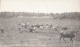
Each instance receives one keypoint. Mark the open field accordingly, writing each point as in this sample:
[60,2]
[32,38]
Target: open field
[12,37]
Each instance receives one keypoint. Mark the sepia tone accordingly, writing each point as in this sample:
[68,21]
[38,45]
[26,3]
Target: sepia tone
[39,23]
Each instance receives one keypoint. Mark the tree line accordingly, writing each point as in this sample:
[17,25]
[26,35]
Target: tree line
[65,15]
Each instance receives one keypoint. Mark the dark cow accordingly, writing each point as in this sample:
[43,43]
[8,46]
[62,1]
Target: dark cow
[2,30]
[67,34]
[32,29]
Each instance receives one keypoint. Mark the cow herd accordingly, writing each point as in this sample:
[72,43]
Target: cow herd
[32,27]
[64,33]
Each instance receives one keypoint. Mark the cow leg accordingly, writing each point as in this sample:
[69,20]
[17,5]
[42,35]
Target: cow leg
[60,39]
[64,40]
[26,26]
[71,40]
[22,26]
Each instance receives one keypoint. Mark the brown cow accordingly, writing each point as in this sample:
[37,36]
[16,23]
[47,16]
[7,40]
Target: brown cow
[67,34]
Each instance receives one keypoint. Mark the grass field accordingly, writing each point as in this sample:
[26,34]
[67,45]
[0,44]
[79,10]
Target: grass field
[12,37]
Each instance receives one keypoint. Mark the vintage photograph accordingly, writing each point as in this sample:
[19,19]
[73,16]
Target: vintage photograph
[39,23]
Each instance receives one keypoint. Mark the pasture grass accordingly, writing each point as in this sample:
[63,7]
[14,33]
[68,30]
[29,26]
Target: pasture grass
[12,37]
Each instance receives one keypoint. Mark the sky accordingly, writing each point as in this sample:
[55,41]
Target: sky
[42,6]
[0,5]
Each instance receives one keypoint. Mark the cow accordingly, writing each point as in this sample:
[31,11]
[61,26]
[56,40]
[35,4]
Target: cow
[32,29]
[47,26]
[2,30]
[41,26]
[67,34]
[50,26]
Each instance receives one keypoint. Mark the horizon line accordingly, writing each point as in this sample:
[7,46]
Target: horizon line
[37,12]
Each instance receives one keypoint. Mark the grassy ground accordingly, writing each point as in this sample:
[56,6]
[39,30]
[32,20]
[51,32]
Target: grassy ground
[12,37]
